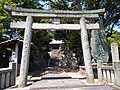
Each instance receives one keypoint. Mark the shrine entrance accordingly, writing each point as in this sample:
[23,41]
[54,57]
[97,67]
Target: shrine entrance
[28,25]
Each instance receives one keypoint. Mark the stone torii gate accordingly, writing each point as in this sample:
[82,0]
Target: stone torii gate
[28,25]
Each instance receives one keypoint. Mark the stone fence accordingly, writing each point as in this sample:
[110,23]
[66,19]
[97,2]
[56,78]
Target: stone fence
[8,76]
[105,73]
[109,73]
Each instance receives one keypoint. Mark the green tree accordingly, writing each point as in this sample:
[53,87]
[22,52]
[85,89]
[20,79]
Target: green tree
[5,19]
[40,38]
[110,18]
[27,3]
[71,39]
[115,37]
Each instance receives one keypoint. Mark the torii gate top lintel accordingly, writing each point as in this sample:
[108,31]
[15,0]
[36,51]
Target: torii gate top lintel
[90,14]
[23,12]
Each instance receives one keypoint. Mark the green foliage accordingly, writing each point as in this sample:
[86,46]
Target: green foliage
[60,4]
[41,38]
[26,3]
[5,15]
[1,36]
[111,15]
[115,37]
[71,39]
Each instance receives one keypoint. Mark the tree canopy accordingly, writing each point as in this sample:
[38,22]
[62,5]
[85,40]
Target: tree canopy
[115,37]
[111,15]
[109,19]
[40,38]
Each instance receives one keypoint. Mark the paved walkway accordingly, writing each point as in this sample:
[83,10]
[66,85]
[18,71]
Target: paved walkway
[62,81]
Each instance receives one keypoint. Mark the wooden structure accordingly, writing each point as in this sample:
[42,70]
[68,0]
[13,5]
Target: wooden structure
[28,25]
[16,46]
[12,44]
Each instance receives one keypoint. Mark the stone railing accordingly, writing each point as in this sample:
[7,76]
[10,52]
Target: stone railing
[8,76]
[109,73]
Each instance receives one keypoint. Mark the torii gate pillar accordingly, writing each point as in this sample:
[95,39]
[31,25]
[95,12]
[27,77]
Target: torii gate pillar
[26,52]
[86,51]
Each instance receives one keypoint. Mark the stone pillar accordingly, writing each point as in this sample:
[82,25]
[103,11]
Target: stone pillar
[117,73]
[8,79]
[108,76]
[12,66]
[26,52]
[16,52]
[114,52]
[104,75]
[99,71]
[16,56]
[86,51]
[112,77]
[2,81]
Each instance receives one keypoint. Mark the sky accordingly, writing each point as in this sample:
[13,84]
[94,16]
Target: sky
[117,29]
[46,7]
